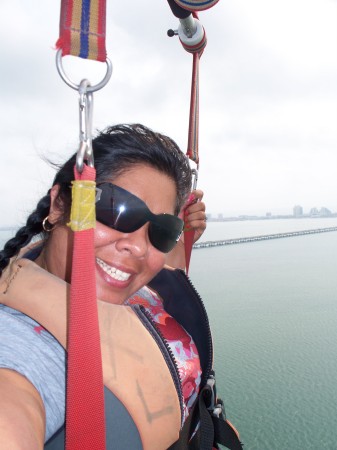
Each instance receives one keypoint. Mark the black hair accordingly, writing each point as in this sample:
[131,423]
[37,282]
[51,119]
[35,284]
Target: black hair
[115,150]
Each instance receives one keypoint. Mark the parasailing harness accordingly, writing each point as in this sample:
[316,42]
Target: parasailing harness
[82,34]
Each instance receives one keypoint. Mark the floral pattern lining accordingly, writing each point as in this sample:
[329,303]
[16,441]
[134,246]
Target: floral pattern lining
[179,341]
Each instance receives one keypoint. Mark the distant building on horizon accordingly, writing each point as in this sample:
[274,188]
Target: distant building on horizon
[323,212]
[298,211]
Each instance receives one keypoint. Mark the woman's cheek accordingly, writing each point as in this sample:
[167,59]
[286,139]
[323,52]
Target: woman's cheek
[104,235]
[158,260]
[99,235]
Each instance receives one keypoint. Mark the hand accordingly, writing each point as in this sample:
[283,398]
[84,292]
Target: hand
[194,214]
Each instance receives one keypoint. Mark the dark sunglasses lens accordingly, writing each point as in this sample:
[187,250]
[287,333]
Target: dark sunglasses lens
[129,211]
[124,212]
[120,210]
[165,231]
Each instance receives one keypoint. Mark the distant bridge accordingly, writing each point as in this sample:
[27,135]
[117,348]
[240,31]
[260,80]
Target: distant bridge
[264,237]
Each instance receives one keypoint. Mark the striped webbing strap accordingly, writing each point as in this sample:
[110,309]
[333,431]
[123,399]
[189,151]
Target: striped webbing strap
[82,29]
[85,419]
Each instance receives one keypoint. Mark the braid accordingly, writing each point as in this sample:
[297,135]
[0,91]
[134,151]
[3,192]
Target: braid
[25,234]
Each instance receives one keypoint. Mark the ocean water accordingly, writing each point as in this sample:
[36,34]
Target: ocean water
[273,310]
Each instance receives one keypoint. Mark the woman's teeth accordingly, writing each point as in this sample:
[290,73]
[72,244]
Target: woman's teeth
[112,271]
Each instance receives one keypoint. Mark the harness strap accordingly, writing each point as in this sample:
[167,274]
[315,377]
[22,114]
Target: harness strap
[188,242]
[207,424]
[85,428]
[82,34]
[214,428]
[82,29]
[196,47]
[225,434]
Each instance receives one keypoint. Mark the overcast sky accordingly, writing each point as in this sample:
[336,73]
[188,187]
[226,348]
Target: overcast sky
[268,106]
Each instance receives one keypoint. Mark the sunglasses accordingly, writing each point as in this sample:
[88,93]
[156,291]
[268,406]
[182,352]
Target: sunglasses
[124,212]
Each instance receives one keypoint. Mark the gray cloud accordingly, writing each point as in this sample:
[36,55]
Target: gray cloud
[268,131]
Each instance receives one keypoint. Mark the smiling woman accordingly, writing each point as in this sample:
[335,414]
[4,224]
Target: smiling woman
[150,317]
[126,258]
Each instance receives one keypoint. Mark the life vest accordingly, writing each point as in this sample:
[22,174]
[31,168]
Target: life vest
[142,390]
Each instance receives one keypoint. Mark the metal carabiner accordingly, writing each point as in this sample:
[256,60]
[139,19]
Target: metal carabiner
[85,152]
[194,172]
[195,179]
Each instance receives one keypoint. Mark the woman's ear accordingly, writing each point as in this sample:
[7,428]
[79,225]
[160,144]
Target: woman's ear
[55,211]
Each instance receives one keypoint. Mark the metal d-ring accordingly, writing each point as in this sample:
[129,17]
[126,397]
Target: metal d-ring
[75,86]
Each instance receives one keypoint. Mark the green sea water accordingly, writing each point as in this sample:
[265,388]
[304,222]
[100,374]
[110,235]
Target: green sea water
[273,310]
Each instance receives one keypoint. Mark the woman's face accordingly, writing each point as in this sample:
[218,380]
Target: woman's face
[124,261]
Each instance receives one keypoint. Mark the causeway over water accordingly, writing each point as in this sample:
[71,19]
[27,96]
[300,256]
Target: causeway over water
[265,237]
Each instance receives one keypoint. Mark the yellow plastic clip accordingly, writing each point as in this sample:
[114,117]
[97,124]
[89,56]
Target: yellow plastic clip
[82,216]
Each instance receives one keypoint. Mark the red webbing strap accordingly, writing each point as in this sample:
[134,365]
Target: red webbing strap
[85,421]
[193,129]
[188,244]
[82,29]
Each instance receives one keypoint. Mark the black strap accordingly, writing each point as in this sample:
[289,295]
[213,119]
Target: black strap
[212,429]
[224,433]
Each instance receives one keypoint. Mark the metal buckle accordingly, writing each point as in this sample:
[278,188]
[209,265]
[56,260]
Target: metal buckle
[215,407]
[195,179]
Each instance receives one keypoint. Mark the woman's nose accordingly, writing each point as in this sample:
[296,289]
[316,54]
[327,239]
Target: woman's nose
[136,242]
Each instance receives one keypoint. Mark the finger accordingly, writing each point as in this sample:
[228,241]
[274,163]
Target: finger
[195,208]
[196,222]
[198,214]
[193,198]
[196,211]
[198,194]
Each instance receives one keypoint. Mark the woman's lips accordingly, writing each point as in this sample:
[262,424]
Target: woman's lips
[111,274]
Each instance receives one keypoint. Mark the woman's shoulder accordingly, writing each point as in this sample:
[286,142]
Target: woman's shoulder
[30,350]
[8,314]
[19,329]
